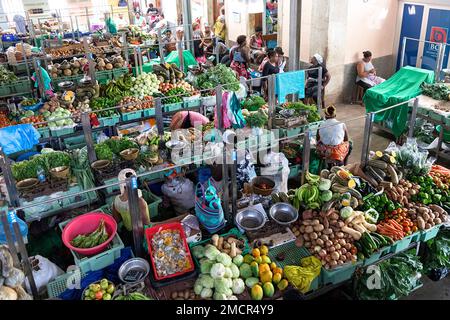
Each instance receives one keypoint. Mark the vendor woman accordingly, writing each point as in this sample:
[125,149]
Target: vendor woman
[332,139]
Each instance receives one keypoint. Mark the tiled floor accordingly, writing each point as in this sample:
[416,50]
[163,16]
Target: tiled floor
[353,115]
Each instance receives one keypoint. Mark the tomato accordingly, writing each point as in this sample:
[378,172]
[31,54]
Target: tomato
[98,295]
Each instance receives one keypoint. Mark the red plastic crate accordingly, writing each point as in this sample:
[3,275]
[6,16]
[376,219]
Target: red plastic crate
[150,232]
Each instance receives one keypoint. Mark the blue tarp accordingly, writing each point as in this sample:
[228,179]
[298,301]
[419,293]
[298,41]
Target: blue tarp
[18,138]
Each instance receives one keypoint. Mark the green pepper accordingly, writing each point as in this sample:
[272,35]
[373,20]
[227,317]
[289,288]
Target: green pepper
[390,207]
[421,179]
[437,197]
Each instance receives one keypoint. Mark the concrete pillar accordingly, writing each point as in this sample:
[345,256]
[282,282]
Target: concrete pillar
[295,33]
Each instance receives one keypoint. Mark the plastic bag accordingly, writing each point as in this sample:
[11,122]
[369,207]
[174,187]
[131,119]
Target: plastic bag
[44,271]
[18,138]
[12,217]
[181,193]
[302,276]
[412,159]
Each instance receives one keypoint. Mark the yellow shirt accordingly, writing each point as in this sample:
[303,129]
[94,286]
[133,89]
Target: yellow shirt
[220,29]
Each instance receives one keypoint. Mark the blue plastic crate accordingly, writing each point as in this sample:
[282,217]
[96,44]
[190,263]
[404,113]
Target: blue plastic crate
[132,115]
[61,132]
[192,103]
[172,107]
[385,250]
[340,274]
[109,121]
[372,259]
[402,244]
[295,171]
[313,127]
[429,234]
[150,112]
[44,132]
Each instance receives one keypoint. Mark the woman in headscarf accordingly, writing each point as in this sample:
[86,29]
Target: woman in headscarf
[312,86]
[332,138]
[187,119]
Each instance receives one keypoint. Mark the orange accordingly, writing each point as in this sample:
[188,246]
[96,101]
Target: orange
[256,253]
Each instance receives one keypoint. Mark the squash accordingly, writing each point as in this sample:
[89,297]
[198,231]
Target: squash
[67,72]
[108,66]
[6,293]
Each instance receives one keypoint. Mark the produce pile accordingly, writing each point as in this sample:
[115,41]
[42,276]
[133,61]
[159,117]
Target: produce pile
[28,168]
[168,73]
[102,290]
[311,111]
[215,76]
[117,88]
[6,76]
[77,66]
[436,91]
[11,278]
[111,148]
[99,104]
[129,104]
[92,239]
[146,84]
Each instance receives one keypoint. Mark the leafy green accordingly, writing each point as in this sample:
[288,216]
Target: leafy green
[438,255]
[103,151]
[436,91]
[118,145]
[256,120]
[100,103]
[28,168]
[300,107]
[6,76]
[217,75]
[253,103]
[81,169]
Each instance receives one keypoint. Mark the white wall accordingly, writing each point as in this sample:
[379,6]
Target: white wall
[233,9]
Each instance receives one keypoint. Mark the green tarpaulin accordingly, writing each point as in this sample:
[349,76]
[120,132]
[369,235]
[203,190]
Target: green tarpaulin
[401,87]
[172,57]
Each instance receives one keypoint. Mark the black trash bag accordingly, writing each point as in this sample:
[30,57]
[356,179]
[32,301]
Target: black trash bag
[438,274]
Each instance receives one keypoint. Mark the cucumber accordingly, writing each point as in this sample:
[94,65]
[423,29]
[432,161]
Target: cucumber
[380,172]
[373,174]
[378,164]
[371,241]
[355,193]
[381,240]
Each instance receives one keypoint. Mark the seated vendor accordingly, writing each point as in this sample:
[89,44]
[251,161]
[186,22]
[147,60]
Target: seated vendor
[257,46]
[332,139]
[366,73]
[169,42]
[312,87]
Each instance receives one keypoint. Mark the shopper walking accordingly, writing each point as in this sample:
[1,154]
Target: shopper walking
[366,73]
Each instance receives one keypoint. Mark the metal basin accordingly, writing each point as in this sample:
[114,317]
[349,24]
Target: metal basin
[250,219]
[134,270]
[100,164]
[283,213]
[27,184]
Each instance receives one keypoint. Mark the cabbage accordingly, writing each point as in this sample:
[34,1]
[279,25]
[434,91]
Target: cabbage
[232,298]
[228,273]
[198,287]
[222,285]
[198,252]
[60,123]
[206,293]
[238,286]
[234,271]
[205,266]
[229,282]
[224,259]
[219,296]
[217,270]
[206,281]
[211,252]
[238,260]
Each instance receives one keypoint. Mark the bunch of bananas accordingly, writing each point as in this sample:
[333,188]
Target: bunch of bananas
[119,87]
[309,195]
[312,178]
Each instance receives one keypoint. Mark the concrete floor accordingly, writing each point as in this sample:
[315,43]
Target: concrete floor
[353,115]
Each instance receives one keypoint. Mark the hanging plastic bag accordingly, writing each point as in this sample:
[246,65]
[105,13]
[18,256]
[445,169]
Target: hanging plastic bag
[18,138]
[44,271]
[12,217]
[180,192]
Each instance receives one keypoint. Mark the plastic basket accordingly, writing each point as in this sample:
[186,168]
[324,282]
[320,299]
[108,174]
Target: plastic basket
[127,116]
[232,233]
[59,284]
[62,131]
[172,107]
[314,126]
[340,274]
[153,202]
[22,86]
[295,171]
[372,259]
[429,234]
[149,234]
[44,132]
[402,244]
[436,116]
[109,121]
[149,112]
[385,250]
[98,261]
[192,102]
[103,76]
[118,72]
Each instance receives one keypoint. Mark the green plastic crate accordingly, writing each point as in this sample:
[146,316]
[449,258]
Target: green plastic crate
[132,115]
[44,132]
[436,116]
[292,132]
[402,244]
[61,132]
[295,171]
[103,76]
[75,140]
[423,111]
[101,260]
[59,284]
[340,274]
[75,79]
[233,232]
[293,255]
[118,72]
[111,189]
[21,86]
[109,121]
[149,112]
[429,234]
[5,90]
[172,107]
[153,202]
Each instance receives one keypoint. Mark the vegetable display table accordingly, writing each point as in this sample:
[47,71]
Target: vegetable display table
[401,87]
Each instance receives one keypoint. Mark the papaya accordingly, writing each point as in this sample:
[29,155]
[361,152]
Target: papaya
[264,250]
[263,267]
[248,259]
[273,265]
[268,289]
[265,259]
[255,268]
[278,270]
[250,282]
[283,284]
[245,271]
[256,292]
[258,260]
[256,253]
[266,276]
[276,278]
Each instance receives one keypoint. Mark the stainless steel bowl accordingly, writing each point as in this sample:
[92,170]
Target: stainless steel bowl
[283,213]
[250,219]
[134,270]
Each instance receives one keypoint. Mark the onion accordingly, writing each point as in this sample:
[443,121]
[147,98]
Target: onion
[327,266]
[333,263]
[340,234]
[348,246]
[328,231]
[342,242]
[335,255]
[306,236]
[322,253]
[341,224]
[324,237]
[348,255]
[328,258]
[328,243]
[313,236]
[340,262]
[308,244]
[320,242]
[337,246]
[323,262]
[331,249]
[331,236]
[317,248]
[343,251]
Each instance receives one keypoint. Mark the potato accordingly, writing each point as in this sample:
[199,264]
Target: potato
[186,294]
[174,295]
[309,229]
[318,227]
